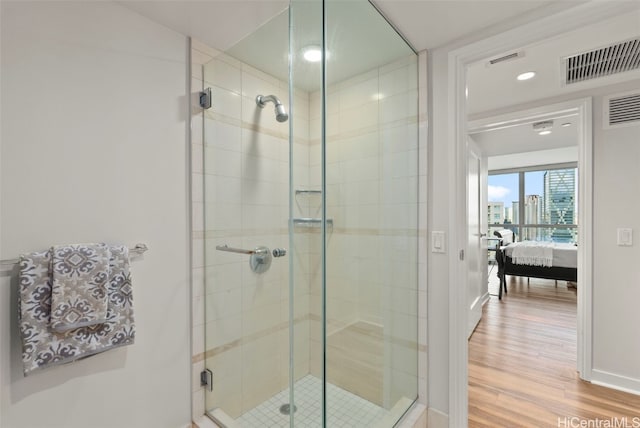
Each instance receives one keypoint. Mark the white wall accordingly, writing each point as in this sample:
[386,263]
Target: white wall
[439,199]
[616,350]
[93,149]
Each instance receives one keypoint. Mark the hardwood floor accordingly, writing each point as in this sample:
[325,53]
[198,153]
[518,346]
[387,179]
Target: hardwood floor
[522,365]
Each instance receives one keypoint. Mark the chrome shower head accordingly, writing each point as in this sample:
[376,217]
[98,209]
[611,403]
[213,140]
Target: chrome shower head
[281,113]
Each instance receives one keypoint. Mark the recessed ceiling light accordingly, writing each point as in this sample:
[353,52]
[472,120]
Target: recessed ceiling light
[526,76]
[544,132]
[566,124]
[312,53]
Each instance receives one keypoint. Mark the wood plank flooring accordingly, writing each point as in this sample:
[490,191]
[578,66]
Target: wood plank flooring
[522,364]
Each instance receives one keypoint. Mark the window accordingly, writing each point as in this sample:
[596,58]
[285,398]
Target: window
[546,197]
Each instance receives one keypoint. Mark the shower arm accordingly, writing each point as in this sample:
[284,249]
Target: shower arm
[281,112]
[262,100]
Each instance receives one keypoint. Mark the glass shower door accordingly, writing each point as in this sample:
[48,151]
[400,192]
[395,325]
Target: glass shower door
[246,207]
[371,177]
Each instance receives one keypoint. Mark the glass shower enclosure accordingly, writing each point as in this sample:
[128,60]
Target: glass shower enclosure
[311,202]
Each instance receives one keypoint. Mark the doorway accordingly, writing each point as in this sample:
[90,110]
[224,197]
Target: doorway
[578,113]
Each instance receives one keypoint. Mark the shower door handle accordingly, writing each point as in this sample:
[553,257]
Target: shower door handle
[279,252]
[225,247]
[260,260]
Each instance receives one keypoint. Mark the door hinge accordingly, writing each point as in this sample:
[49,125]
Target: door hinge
[205,99]
[461,254]
[206,379]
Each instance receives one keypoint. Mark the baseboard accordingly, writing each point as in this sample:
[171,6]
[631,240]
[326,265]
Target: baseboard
[415,417]
[437,419]
[420,415]
[485,298]
[204,422]
[614,381]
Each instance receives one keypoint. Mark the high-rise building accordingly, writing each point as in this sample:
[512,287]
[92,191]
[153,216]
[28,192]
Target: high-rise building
[531,216]
[515,211]
[559,201]
[495,213]
[508,214]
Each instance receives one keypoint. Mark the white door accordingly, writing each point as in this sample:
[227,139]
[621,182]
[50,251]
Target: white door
[477,287]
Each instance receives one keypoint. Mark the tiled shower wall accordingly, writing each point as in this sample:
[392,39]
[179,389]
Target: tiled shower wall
[372,197]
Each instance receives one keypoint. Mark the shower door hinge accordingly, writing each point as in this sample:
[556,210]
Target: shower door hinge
[205,98]
[461,254]
[206,379]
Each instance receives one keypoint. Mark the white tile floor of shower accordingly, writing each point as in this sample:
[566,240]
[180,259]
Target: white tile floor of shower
[344,409]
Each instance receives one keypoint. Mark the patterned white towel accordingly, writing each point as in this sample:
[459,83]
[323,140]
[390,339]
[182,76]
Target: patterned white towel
[42,346]
[533,253]
[79,290]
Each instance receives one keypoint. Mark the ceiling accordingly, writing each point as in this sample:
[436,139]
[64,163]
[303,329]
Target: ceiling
[426,24]
[256,31]
[522,138]
[219,24]
[429,24]
[369,45]
[536,158]
[492,87]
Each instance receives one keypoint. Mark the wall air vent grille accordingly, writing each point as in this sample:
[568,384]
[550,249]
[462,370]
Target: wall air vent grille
[618,58]
[503,58]
[623,110]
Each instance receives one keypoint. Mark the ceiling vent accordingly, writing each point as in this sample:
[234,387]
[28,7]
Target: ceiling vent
[622,110]
[508,57]
[618,58]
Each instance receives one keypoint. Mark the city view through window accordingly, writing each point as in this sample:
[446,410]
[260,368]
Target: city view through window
[546,198]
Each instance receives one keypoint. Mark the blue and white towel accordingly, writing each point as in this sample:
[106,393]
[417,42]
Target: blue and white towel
[42,346]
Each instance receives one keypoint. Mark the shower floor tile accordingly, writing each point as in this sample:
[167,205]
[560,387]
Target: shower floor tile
[344,409]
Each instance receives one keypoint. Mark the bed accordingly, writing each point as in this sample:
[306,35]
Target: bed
[533,259]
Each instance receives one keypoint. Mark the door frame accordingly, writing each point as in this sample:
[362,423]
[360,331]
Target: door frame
[458,59]
[582,109]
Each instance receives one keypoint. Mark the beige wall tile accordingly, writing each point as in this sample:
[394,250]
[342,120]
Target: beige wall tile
[221,135]
[223,75]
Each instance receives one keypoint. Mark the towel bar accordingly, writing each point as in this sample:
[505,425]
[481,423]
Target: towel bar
[137,249]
